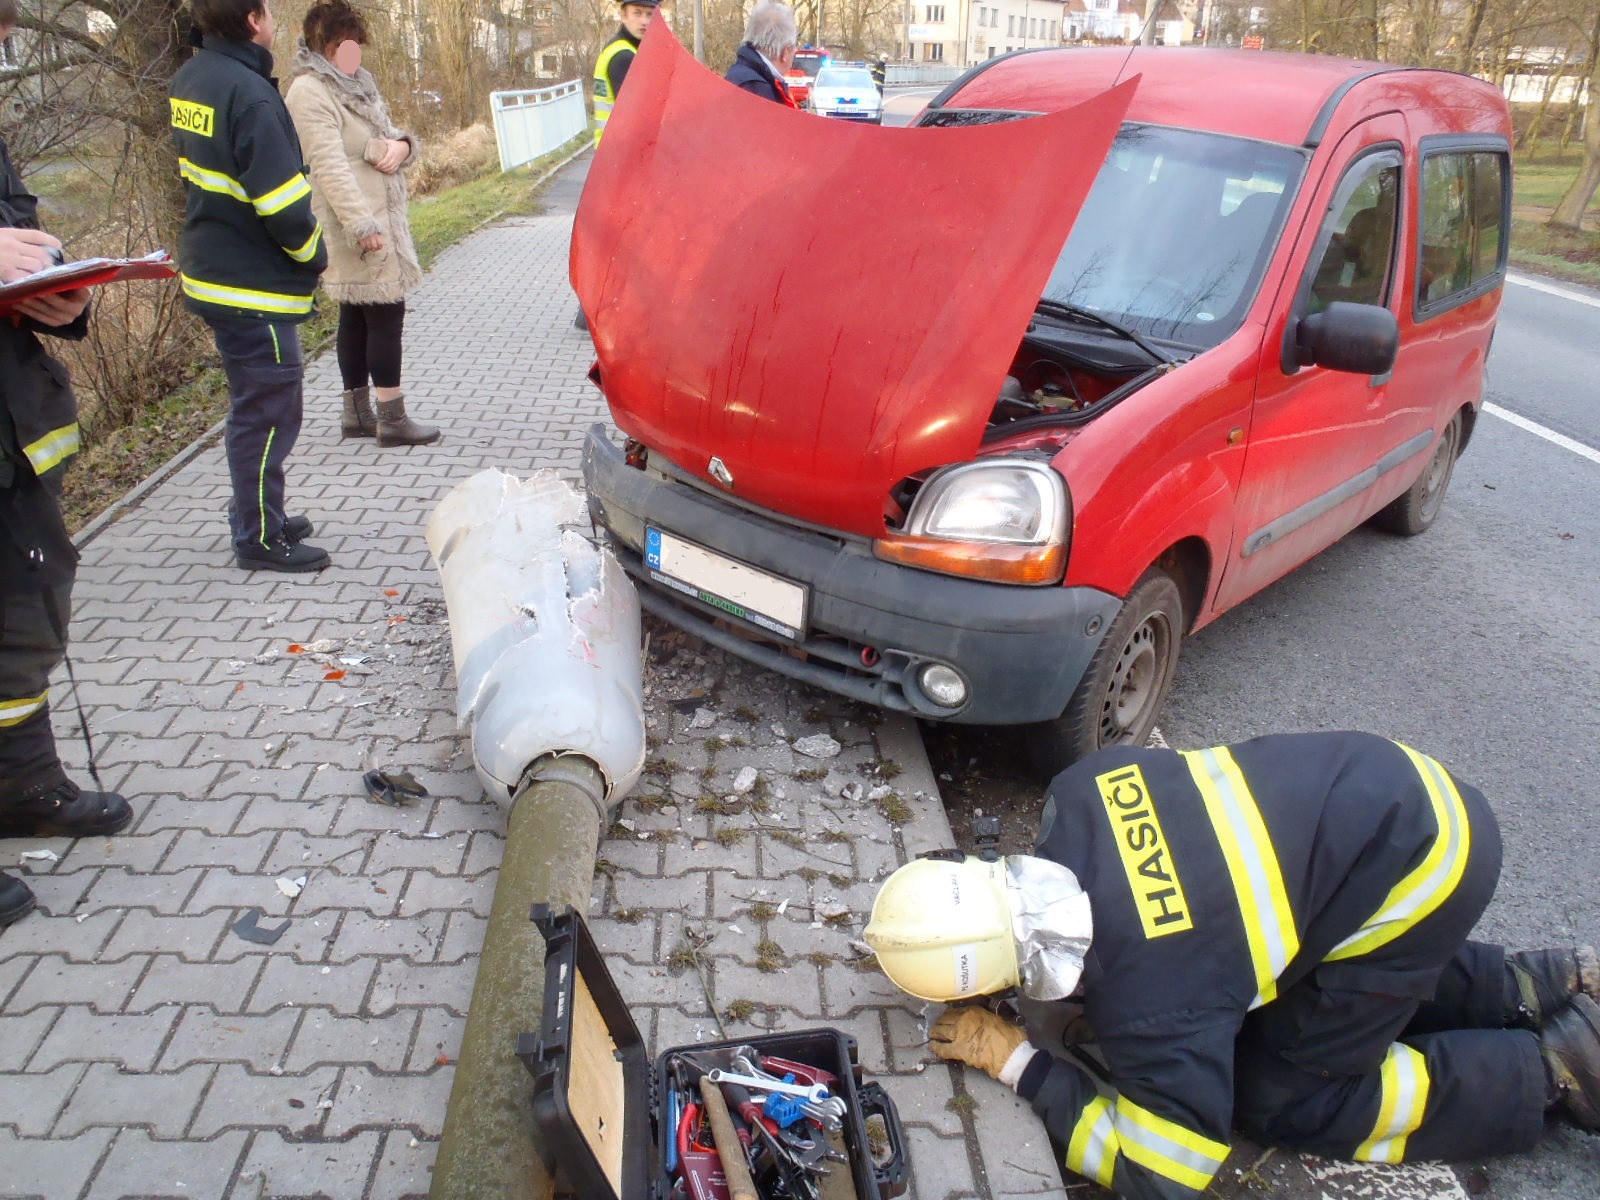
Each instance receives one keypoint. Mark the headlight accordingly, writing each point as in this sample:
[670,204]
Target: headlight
[1005,520]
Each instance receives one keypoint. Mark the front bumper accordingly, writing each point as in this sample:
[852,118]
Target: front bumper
[871,625]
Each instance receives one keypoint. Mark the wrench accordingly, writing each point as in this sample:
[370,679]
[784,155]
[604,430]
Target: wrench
[816,1092]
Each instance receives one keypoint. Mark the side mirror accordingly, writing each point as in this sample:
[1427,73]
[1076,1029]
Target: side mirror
[1362,339]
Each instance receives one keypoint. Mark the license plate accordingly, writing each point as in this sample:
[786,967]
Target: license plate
[736,588]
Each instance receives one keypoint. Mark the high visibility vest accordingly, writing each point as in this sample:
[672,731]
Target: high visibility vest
[604,101]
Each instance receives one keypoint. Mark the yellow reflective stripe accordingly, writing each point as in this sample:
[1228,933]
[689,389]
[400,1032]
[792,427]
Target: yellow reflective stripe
[212,181]
[310,248]
[232,297]
[280,197]
[14,712]
[1092,1149]
[1434,879]
[1404,1098]
[1166,1147]
[1269,926]
[53,448]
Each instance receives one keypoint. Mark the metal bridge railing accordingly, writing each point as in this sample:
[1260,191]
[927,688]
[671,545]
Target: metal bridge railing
[530,124]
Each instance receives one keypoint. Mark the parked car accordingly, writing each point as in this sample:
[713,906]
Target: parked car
[847,93]
[798,79]
[1267,325]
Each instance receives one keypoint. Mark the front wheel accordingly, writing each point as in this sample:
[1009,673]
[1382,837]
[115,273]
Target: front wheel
[1419,505]
[1121,694]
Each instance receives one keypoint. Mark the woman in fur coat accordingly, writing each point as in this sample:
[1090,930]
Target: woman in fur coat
[358,191]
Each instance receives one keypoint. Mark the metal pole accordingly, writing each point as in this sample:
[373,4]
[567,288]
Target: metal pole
[490,1148]
[700,31]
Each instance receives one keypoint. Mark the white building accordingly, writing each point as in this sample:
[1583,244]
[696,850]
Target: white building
[963,32]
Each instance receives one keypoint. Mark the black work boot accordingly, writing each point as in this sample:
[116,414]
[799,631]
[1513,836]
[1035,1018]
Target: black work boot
[358,420]
[397,429]
[296,528]
[63,810]
[1540,982]
[1570,1047]
[280,554]
[16,900]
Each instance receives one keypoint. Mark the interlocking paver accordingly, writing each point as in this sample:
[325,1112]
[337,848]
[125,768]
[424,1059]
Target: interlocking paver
[323,1061]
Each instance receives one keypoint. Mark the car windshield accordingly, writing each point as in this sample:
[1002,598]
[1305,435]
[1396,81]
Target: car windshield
[810,63]
[841,77]
[1176,232]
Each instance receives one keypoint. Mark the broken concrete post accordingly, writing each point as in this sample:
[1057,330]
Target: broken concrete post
[545,628]
[490,1147]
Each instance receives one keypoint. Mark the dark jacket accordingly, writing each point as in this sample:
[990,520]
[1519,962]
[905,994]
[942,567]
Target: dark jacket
[1218,880]
[251,246]
[750,72]
[38,414]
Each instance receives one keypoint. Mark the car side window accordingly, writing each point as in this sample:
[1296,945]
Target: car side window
[1358,239]
[1463,208]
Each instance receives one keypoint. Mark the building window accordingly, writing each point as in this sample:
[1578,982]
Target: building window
[549,64]
[1011,24]
[991,51]
[933,52]
[936,14]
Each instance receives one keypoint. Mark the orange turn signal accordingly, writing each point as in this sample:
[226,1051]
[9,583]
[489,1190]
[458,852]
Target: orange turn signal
[997,562]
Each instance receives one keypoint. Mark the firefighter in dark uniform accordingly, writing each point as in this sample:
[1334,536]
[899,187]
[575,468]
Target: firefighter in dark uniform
[880,72]
[251,253]
[38,562]
[1271,936]
[611,68]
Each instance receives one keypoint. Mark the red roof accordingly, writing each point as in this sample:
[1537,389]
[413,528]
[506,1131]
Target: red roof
[1258,94]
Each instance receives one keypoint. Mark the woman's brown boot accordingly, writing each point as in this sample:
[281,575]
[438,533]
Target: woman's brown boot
[397,429]
[358,419]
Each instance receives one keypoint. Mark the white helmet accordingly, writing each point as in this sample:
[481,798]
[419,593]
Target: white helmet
[942,929]
[946,929]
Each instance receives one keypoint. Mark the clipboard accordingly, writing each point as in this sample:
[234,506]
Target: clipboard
[87,272]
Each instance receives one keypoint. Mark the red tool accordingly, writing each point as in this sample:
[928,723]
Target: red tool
[699,1165]
[804,1072]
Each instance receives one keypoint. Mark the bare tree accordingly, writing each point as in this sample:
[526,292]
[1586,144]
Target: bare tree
[1570,209]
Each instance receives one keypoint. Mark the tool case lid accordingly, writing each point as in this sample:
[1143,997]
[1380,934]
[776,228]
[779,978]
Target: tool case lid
[591,1077]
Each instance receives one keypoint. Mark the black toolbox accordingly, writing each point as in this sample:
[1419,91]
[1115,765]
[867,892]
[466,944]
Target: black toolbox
[601,1105]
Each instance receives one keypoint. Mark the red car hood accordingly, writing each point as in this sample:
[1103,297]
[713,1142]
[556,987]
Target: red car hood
[824,308]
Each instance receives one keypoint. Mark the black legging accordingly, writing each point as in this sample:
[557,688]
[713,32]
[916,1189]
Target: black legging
[369,344]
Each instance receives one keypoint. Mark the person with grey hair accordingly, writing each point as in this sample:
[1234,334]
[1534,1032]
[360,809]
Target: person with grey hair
[770,37]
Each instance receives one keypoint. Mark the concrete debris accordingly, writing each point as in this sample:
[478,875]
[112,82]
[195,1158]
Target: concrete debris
[40,856]
[703,718]
[779,732]
[882,792]
[832,910]
[860,949]
[852,791]
[291,887]
[818,745]
[745,781]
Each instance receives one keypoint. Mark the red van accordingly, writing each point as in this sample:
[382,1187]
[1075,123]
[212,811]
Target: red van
[1146,372]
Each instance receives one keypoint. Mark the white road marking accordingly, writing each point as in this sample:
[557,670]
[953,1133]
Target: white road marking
[1409,1181]
[1549,435]
[1551,289]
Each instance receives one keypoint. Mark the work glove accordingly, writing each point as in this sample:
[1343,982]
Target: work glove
[979,1038]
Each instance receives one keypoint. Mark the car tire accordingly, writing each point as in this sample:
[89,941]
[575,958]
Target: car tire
[1121,694]
[1417,508]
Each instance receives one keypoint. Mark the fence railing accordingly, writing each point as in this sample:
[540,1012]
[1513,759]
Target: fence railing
[905,74]
[530,124]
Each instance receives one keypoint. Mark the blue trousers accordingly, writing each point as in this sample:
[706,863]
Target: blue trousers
[266,377]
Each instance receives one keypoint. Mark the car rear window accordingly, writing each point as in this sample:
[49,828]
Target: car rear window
[1462,227]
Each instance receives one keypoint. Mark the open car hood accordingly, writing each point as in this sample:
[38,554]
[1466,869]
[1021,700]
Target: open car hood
[821,308]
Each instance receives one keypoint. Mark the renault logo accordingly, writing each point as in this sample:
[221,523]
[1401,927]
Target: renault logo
[720,473]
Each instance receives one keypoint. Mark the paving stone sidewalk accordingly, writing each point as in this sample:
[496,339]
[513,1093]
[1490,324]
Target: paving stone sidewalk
[148,1049]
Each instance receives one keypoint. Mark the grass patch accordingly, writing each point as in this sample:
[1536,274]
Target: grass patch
[834,836]
[730,837]
[810,774]
[789,838]
[628,916]
[769,956]
[763,910]
[962,1104]
[889,769]
[723,806]
[895,810]
[741,1010]
[746,714]
[681,959]
[809,874]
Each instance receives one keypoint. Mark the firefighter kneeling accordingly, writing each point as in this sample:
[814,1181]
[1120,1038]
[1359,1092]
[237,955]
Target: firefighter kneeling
[1271,935]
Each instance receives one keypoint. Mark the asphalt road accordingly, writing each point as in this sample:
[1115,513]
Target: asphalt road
[1478,642]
